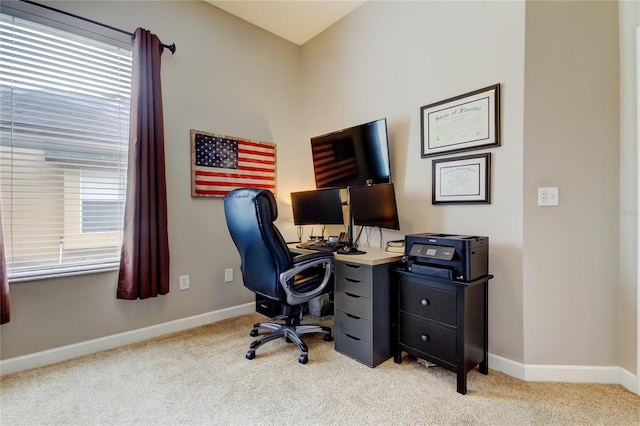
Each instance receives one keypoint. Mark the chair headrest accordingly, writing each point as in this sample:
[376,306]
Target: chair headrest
[256,194]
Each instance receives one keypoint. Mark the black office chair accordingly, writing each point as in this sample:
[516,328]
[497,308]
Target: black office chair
[271,270]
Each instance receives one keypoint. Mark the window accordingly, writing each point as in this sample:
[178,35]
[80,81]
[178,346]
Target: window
[102,200]
[64,126]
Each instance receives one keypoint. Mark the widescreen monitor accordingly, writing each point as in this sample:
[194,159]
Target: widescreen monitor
[317,207]
[358,155]
[374,205]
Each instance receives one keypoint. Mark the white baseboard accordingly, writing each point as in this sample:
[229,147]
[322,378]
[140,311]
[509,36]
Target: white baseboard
[506,366]
[529,373]
[51,356]
[565,373]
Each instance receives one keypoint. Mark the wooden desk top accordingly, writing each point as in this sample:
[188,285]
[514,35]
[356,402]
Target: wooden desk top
[373,255]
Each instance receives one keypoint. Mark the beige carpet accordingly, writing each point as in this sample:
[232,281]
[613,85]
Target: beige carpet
[202,377]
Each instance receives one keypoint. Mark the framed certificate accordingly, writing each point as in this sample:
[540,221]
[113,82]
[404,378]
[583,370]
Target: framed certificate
[461,180]
[462,123]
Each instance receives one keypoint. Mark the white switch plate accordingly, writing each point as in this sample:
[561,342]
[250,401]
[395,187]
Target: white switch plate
[548,196]
[228,275]
[184,282]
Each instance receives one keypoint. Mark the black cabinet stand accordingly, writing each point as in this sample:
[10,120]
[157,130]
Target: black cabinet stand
[444,322]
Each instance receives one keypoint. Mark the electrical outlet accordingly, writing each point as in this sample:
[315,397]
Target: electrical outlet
[228,275]
[548,196]
[184,282]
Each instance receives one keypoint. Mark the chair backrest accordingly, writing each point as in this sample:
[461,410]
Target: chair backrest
[250,213]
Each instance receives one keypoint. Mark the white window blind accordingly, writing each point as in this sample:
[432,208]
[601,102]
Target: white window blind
[64,126]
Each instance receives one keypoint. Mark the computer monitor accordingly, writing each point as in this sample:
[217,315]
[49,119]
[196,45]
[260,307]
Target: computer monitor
[374,205]
[317,207]
[358,155]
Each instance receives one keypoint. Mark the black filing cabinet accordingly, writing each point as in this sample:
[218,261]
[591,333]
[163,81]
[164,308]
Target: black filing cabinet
[364,311]
[444,322]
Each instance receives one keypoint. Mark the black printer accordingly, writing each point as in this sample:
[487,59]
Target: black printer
[454,257]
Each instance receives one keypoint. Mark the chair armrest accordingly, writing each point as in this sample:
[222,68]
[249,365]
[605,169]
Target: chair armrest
[301,263]
[300,258]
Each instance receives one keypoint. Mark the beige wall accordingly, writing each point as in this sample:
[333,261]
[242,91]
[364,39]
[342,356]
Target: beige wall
[571,268]
[387,59]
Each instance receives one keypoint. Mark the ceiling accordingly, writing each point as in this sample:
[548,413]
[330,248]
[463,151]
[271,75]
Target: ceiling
[295,20]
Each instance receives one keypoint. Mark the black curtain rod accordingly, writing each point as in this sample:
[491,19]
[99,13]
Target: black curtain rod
[171,47]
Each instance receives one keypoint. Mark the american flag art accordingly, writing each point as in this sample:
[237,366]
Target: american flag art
[221,163]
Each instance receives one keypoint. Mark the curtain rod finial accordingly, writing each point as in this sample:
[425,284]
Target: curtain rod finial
[171,47]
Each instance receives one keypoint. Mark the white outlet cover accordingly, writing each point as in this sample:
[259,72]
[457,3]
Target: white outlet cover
[548,196]
[184,282]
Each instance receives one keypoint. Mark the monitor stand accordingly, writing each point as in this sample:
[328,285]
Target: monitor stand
[352,247]
[349,250]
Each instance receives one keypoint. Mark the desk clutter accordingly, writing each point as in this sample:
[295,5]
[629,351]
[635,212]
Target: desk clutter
[395,246]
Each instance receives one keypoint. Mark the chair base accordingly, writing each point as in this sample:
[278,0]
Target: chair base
[289,331]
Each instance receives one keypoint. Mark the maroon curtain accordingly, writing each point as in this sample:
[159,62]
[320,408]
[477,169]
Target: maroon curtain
[144,263]
[4,281]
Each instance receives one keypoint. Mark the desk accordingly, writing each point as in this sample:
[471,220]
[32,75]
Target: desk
[364,304]
[373,256]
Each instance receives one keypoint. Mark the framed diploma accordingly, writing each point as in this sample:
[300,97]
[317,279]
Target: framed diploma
[462,123]
[461,180]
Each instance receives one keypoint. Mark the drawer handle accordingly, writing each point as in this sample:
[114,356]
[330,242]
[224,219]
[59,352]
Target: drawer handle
[351,266]
[351,280]
[424,337]
[351,337]
[352,295]
[351,316]
[425,302]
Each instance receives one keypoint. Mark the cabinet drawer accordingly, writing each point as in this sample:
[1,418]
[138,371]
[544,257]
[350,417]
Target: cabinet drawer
[429,302]
[353,347]
[428,338]
[354,326]
[352,304]
[354,271]
[349,285]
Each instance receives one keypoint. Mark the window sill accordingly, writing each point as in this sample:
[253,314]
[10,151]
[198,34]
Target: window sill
[45,274]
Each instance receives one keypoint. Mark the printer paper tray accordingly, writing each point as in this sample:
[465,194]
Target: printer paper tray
[433,271]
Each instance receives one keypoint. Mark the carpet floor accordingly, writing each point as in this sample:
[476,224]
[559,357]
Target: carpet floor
[200,376]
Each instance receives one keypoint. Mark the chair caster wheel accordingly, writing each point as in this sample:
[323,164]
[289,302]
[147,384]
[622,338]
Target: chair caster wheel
[253,333]
[250,355]
[328,338]
[303,359]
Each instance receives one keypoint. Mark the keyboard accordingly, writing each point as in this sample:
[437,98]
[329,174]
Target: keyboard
[320,245]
